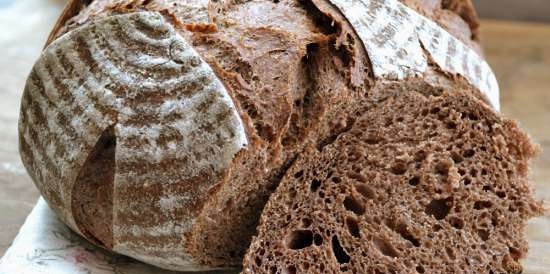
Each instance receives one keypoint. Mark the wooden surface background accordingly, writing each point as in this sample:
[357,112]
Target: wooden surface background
[527,10]
[518,52]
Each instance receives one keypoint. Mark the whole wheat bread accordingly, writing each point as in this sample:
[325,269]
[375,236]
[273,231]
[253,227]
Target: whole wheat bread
[188,195]
[437,187]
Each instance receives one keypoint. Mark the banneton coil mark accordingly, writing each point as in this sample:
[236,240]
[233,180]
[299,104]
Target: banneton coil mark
[396,37]
[177,130]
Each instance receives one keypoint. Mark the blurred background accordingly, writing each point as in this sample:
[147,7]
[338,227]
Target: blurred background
[515,35]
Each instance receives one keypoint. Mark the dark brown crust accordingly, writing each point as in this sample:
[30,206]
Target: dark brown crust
[465,9]
[93,212]
[72,8]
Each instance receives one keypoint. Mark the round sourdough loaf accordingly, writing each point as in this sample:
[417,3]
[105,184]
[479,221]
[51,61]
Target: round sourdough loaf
[126,130]
[159,128]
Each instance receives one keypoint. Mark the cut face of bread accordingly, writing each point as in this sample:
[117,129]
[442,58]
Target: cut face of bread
[419,184]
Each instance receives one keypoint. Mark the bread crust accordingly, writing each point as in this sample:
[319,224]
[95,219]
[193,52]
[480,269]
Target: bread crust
[175,128]
[292,70]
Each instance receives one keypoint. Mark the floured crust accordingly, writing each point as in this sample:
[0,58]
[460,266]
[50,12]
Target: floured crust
[189,14]
[295,72]
[177,130]
[72,8]
[400,43]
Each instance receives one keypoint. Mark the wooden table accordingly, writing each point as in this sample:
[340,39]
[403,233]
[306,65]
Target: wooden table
[520,56]
[518,52]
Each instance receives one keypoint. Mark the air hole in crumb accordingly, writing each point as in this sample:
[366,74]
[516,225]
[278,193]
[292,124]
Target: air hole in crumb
[366,191]
[442,168]
[315,184]
[456,222]
[437,227]
[479,205]
[299,239]
[341,256]
[291,270]
[420,156]
[388,122]
[483,234]
[414,181]
[439,208]
[385,247]
[450,253]
[258,261]
[354,205]
[469,153]
[451,125]
[501,194]
[306,222]
[291,193]
[336,180]
[299,174]
[353,227]
[420,269]
[435,110]
[373,140]
[487,188]
[467,181]
[457,158]
[399,168]
[509,173]
[483,172]
[317,239]
[406,234]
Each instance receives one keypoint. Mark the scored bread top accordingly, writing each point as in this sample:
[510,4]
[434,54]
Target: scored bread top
[173,122]
[400,43]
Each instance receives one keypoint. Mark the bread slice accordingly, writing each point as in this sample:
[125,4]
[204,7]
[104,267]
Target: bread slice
[438,186]
[185,191]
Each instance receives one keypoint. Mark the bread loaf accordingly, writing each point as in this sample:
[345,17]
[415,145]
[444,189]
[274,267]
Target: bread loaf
[437,187]
[158,129]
